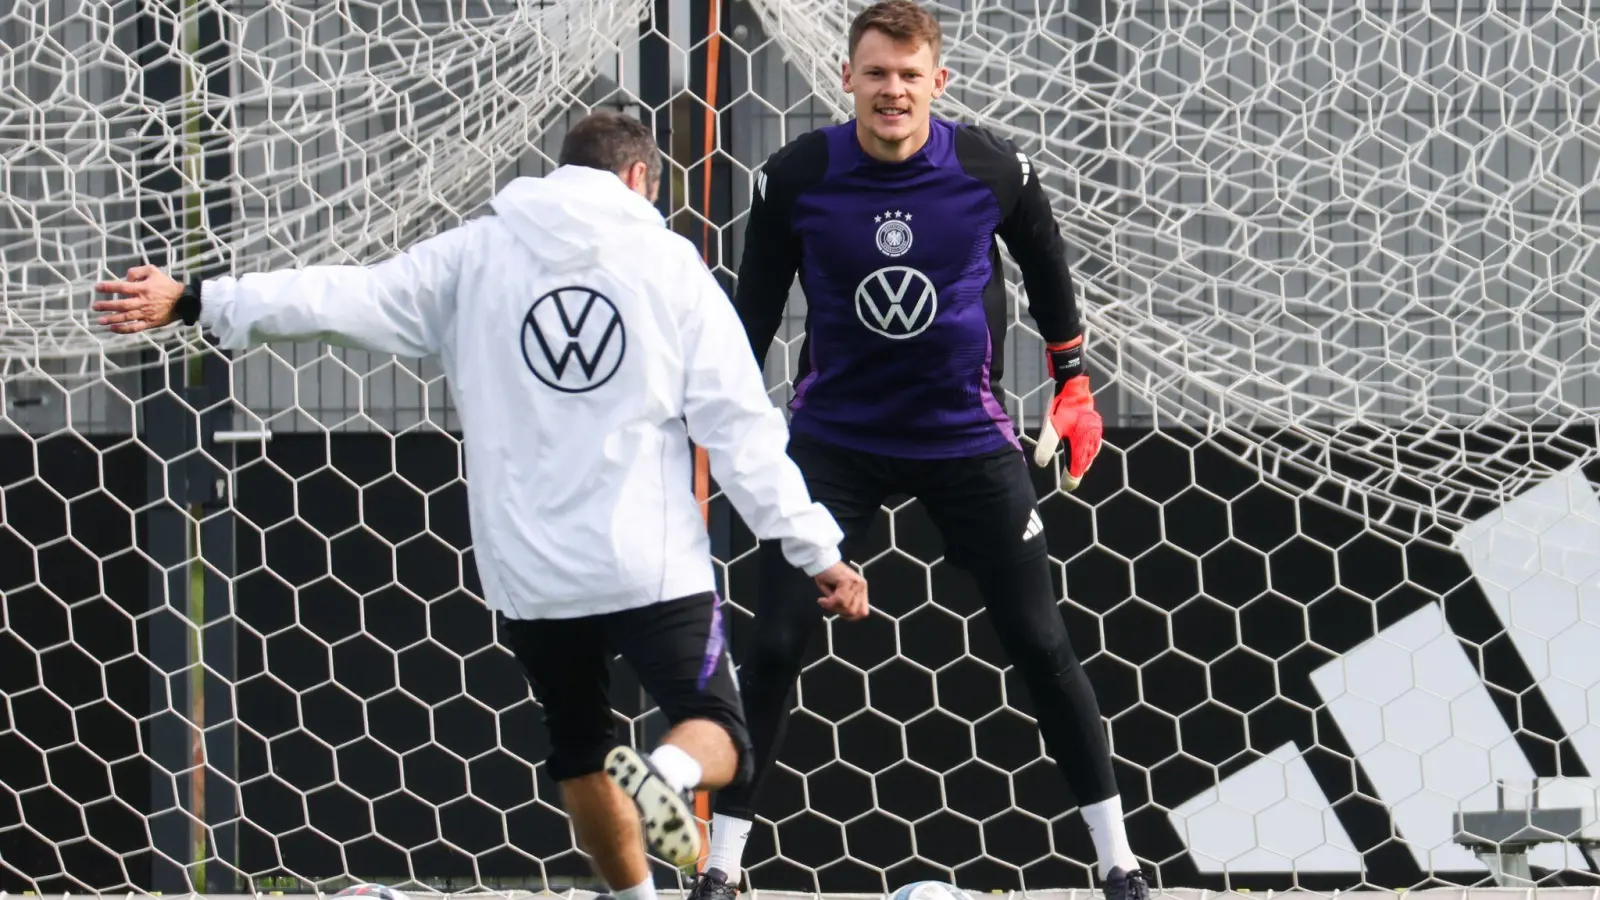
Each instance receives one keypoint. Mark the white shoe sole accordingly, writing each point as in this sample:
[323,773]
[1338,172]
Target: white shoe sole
[669,826]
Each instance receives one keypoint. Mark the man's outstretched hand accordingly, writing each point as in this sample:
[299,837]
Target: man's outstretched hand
[844,591]
[151,302]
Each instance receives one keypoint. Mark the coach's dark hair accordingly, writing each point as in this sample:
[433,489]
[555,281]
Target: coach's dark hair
[902,20]
[611,141]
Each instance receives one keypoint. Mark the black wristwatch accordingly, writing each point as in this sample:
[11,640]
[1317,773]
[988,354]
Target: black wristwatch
[188,308]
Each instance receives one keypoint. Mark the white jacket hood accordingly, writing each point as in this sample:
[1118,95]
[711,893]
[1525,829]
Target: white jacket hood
[585,346]
[566,217]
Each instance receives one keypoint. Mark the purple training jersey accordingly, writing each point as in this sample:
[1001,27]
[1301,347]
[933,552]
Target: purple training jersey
[904,286]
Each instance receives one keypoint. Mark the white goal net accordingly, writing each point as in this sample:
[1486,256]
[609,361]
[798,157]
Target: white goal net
[1335,577]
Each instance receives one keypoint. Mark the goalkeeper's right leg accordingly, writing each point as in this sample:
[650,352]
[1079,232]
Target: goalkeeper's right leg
[853,487]
[786,618]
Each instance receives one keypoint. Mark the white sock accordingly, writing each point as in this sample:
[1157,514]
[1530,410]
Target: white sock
[1110,836]
[644,890]
[677,767]
[728,836]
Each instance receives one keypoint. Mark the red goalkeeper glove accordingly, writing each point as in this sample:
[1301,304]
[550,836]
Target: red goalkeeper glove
[1072,415]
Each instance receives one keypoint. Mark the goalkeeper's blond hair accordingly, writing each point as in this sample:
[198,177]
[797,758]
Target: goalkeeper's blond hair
[903,21]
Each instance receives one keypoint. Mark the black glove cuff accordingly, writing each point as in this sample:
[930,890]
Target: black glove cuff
[1065,364]
[188,308]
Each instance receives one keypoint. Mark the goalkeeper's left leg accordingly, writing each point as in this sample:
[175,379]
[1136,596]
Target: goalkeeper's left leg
[1022,607]
[986,509]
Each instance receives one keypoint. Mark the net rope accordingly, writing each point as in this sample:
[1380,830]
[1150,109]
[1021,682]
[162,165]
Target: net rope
[360,129]
[1315,231]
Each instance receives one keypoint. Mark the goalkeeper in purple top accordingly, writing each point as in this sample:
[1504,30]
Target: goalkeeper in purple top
[890,222]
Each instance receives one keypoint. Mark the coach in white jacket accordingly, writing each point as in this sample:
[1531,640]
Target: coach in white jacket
[584,344]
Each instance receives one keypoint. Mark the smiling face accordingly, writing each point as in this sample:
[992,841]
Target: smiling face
[894,83]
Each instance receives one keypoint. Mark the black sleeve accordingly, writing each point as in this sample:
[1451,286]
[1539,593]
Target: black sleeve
[187,308]
[1029,229]
[771,246]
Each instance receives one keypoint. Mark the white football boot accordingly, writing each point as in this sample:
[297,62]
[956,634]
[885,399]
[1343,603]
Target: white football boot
[667,815]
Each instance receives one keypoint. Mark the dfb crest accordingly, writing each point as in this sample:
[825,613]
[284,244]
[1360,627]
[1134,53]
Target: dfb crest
[894,234]
[897,302]
[573,339]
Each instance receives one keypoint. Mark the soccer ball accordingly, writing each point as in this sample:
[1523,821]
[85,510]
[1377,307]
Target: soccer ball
[930,890]
[374,891]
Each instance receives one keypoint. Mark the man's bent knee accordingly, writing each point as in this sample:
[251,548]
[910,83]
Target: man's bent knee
[1041,654]
[720,743]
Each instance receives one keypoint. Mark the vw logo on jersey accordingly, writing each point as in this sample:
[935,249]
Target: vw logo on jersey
[573,339]
[897,302]
[894,235]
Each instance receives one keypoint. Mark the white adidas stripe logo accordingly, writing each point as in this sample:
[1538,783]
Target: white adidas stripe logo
[1449,729]
[1035,526]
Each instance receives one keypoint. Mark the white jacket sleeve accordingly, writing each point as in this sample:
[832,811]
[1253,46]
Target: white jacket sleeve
[402,305]
[744,435]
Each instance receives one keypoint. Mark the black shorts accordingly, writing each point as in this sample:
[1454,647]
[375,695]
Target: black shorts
[984,506]
[677,648]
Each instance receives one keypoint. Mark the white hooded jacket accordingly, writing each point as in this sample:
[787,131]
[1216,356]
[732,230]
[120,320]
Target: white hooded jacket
[584,344]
